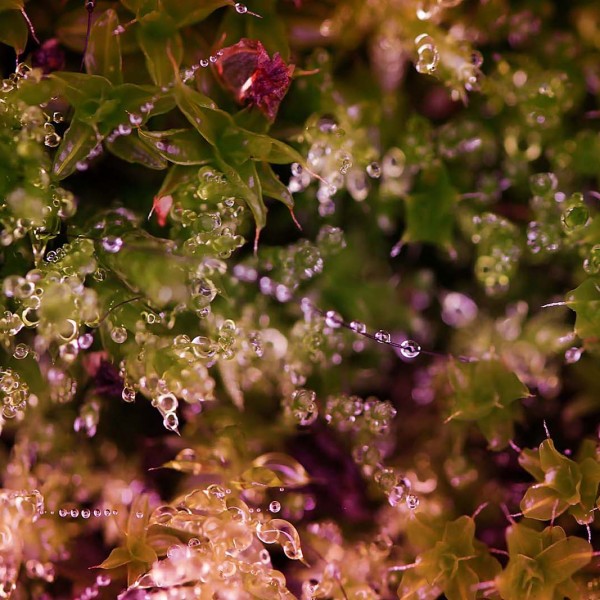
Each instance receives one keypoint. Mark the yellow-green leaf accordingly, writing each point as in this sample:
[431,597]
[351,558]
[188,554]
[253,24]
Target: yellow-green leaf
[13,30]
[76,144]
[103,56]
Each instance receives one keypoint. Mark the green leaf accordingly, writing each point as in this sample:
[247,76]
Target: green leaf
[11,5]
[189,12]
[76,144]
[272,186]
[179,146]
[288,469]
[245,178]
[13,30]
[459,535]
[430,209]
[162,46]
[204,115]
[134,150]
[530,461]
[542,503]
[117,558]
[79,88]
[521,539]
[103,56]
[270,29]
[463,585]
[176,177]
[550,457]
[564,558]
[71,28]
[141,7]
[585,302]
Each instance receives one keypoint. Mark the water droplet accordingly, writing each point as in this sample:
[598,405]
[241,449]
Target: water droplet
[204,63]
[393,163]
[374,170]
[74,513]
[52,140]
[358,326]
[412,501]
[171,422]
[575,217]
[382,336]
[591,264]
[128,394]
[85,341]
[118,335]
[427,53]
[542,184]
[103,580]
[85,513]
[21,351]
[167,403]
[112,244]
[240,8]
[333,319]
[572,355]
[63,512]
[410,349]
[135,120]
[97,512]
[275,506]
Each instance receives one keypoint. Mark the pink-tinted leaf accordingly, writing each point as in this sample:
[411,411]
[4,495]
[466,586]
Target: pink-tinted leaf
[117,558]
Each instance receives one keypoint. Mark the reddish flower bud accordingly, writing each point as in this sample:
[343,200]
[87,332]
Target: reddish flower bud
[49,56]
[253,77]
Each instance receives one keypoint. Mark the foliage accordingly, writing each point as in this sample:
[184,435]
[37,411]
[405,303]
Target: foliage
[285,287]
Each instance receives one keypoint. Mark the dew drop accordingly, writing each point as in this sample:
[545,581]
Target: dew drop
[240,8]
[333,319]
[112,244]
[383,337]
[21,351]
[275,506]
[85,513]
[412,501]
[171,422]
[52,140]
[118,335]
[103,580]
[572,355]
[410,349]
[374,170]
[85,341]
[427,53]
[128,394]
[358,326]
[542,184]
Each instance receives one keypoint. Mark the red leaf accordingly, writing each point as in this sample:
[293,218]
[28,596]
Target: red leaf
[253,77]
[162,206]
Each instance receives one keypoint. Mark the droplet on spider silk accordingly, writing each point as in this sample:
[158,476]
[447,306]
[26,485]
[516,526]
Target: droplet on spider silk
[410,349]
